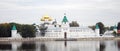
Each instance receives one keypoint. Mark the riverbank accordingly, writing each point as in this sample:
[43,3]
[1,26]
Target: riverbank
[59,39]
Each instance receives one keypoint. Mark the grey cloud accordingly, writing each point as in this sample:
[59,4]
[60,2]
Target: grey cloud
[91,10]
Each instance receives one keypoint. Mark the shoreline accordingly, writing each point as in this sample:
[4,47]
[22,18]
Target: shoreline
[61,39]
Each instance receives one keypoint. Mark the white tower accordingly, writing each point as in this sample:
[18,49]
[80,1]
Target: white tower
[14,31]
[115,28]
[97,30]
[65,27]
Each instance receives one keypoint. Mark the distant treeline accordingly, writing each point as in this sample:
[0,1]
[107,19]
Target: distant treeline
[24,30]
[74,24]
[103,28]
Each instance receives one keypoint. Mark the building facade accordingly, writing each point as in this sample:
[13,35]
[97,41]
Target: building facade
[63,30]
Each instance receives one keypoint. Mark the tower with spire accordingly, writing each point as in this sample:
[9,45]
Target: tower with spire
[65,26]
[97,30]
[65,20]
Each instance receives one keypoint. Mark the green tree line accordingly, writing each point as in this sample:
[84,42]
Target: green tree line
[24,30]
[74,24]
[103,28]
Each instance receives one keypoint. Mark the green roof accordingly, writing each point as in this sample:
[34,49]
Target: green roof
[115,27]
[65,19]
[97,27]
[14,27]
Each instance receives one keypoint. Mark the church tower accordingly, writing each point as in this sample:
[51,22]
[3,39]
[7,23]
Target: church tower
[65,22]
[65,26]
[97,30]
[14,31]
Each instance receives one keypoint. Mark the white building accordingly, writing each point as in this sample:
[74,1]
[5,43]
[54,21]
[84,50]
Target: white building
[63,30]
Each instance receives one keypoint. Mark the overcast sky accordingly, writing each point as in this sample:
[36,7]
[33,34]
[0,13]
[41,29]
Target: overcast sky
[86,12]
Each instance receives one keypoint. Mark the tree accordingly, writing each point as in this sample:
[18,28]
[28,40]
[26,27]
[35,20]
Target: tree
[92,27]
[111,28]
[28,31]
[106,28]
[118,26]
[74,24]
[5,30]
[24,30]
[114,33]
[101,27]
[42,29]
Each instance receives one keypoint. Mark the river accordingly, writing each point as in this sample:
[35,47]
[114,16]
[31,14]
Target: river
[110,45]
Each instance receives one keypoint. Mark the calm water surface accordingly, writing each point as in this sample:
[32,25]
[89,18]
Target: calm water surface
[61,46]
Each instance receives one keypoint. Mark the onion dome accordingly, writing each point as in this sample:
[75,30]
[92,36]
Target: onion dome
[14,27]
[46,17]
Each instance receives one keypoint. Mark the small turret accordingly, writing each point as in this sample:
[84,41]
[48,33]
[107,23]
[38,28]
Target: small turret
[13,31]
[97,30]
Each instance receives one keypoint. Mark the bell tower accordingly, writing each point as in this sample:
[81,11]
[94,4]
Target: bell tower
[65,26]
[65,20]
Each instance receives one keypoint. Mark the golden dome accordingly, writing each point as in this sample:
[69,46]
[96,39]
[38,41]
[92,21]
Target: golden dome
[50,20]
[46,17]
[42,19]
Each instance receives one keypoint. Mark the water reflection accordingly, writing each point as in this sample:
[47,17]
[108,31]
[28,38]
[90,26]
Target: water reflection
[61,46]
[5,46]
[119,44]
[43,47]
[102,47]
[65,43]
[27,46]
